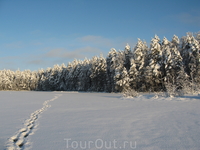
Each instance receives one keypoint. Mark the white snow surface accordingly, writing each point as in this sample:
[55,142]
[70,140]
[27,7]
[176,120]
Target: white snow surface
[77,120]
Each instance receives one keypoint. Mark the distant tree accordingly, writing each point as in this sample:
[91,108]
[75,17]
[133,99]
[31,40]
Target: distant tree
[18,80]
[133,75]
[154,70]
[46,80]
[98,76]
[63,74]
[122,81]
[67,77]
[140,56]
[5,80]
[110,71]
[84,76]
[74,75]
[128,56]
[118,65]
[40,74]
[26,79]
[33,80]
[54,77]
[175,77]
[166,55]
[191,57]
[198,36]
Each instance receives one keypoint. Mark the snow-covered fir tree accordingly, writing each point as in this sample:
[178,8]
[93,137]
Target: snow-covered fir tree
[63,75]
[122,81]
[133,75]
[154,70]
[84,76]
[110,71]
[40,75]
[140,56]
[170,73]
[33,81]
[128,56]
[5,80]
[175,77]
[57,71]
[44,80]
[74,75]
[190,53]
[79,76]
[118,66]
[98,76]
[67,76]
[198,36]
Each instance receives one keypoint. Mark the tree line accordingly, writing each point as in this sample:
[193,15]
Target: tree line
[172,66]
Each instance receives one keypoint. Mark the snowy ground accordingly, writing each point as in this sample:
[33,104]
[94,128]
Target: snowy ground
[71,120]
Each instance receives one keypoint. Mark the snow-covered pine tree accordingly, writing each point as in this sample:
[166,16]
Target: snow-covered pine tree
[128,56]
[182,79]
[110,71]
[51,76]
[133,75]
[118,66]
[39,75]
[94,73]
[70,68]
[55,78]
[84,76]
[79,76]
[11,75]
[154,70]
[140,56]
[46,80]
[66,76]
[87,79]
[73,70]
[123,84]
[194,64]
[74,75]
[6,80]
[174,75]
[18,80]
[191,57]
[122,81]
[170,73]
[98,76]
[1,80]
[63,74]
[26,79]
[166,54]
[198,36]
[33,80]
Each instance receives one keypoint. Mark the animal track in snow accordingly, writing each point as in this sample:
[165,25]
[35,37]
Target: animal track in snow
[18,141]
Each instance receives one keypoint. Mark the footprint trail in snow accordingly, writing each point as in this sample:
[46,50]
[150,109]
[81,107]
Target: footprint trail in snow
[18,141]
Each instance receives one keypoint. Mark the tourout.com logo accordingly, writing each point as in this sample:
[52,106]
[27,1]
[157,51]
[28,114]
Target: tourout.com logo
[99,144]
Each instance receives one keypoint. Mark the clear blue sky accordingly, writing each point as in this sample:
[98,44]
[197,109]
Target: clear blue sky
[40,33]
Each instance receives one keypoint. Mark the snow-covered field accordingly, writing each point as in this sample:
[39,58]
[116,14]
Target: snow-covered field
[72,120]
